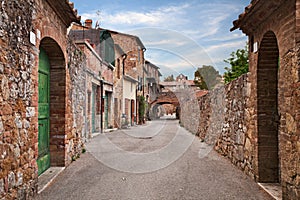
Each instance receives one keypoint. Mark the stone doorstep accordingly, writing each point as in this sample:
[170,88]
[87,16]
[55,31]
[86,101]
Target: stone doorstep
[273,189]
[109,130]
[45,179]
[94,134]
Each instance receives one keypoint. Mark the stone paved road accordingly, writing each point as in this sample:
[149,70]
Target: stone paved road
[159,161]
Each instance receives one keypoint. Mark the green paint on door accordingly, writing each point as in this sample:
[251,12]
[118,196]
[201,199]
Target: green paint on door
[94,90]
[43,160]
[105,98]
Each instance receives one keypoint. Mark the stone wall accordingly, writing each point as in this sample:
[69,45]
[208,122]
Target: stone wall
[190,113]
[289,98]
[119,104]
[18,125]
[274,131]
[228,121]
[77,96]
[221,118]
[19,61]
[234,140]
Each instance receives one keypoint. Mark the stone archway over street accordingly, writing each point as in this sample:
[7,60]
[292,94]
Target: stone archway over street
[164,98]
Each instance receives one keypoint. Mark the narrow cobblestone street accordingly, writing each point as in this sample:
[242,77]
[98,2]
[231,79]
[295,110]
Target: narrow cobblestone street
[132,164]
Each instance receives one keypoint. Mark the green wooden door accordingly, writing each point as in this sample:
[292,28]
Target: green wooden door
[105,98]
[94,90]
[43,110]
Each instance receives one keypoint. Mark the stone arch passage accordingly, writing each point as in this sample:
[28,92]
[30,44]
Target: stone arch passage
[164,98]
[57,100]
[267,97]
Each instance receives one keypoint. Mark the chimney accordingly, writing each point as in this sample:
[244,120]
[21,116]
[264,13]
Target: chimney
[88,23]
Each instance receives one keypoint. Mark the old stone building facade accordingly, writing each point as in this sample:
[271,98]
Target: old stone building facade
[152,81]
[134,74]
[38,128]
[254,121]
[273,30]
[57,88]
[98,87]
[99,49]
[131,75]
[119,118]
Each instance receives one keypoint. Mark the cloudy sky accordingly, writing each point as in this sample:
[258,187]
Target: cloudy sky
[179,35]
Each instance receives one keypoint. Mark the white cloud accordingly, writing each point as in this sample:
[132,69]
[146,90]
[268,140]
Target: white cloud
[231,36]
[176,45]
[134,18]
[197,20]
[158,17]
[235,44]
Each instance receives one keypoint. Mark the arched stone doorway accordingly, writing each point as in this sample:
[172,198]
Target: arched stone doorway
[52,105]
[268,118]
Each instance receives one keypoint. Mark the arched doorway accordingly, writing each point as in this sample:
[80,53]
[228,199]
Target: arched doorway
[52,105]
[267,102]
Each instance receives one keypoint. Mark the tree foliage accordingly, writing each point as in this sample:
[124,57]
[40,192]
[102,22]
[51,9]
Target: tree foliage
[210,76]
[239,64]
[169,78]
[199,81]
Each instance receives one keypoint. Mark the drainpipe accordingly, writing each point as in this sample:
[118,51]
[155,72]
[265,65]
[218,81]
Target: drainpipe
[85,102]
[137,117]
[143,81]
[101,106]
[123,120]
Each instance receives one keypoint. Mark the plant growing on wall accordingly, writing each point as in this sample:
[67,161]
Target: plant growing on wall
[142,109]
[239,64]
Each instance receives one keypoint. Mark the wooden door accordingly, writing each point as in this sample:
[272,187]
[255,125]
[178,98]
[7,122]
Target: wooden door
[43,160]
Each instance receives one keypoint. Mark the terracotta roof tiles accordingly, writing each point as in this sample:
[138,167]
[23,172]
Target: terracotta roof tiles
[254,14]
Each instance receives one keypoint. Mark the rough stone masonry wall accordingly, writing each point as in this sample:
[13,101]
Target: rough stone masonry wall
[289,101]
[223,121]
[18,100]
[18,121]
[76,65]
[234,141]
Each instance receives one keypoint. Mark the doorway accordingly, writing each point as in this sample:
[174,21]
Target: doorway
[268,117]
[43,160]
